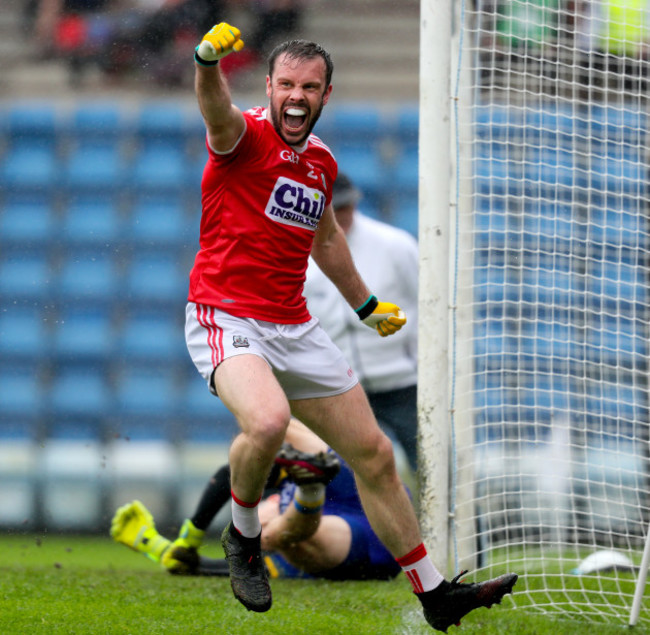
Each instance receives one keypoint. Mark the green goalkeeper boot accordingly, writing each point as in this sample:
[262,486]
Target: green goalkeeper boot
[182,555]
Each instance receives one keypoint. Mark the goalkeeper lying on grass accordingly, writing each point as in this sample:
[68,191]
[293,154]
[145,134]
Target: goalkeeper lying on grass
[313,527]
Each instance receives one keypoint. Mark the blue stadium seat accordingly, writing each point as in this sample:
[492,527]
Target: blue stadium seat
[356,123]
[621,255]
[76,429]
[23,333]
[159,170]
[617,176]
[151,338]
[80,392]
[21,392]
[492,405]
[14,428]
[29,169]
[84,335]
[494,228]
[496,284]
[614,123]
[25,277]
[497,139]
[26,223]
[622,150]
[536,408]
[194,174]
[88,279]
[366,167]
[616,226]
[486,205]
[95,169]
[551,167]
[147,392]
[406,214]
[408,126]
[552,125]
[492,337]
[99,123]
[616,287]
[159,124]
[623,348]
[621,200]
[612,405]
[548,221]
[348,126]
[499,123]
[196,132]
[145,429]
[154,279]
[160,223]
[547,287]
[406,170]
[204,416]
[91,222]
[498,177]
[32,124]
[546,339]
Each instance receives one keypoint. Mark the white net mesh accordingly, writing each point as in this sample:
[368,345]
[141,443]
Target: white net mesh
[557,203]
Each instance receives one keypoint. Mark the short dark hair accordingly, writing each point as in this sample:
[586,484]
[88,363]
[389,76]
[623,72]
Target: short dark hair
[344,192]
[302,49]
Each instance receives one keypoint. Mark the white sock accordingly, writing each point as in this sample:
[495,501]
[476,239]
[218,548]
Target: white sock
[245,517]
[420,571]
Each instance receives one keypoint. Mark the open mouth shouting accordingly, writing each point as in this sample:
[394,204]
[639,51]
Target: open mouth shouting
[296,121]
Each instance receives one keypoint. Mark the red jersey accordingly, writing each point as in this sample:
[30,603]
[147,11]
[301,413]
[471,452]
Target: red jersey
[261,206]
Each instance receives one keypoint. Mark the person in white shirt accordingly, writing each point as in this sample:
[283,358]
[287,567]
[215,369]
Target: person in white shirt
[387,257]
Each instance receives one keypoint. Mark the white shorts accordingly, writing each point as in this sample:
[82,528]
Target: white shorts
[303,358]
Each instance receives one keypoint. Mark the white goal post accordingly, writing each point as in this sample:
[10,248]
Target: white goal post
[534,414]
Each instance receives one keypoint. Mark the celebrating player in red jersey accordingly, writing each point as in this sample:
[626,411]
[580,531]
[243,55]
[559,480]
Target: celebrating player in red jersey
[266,194]
[260,180]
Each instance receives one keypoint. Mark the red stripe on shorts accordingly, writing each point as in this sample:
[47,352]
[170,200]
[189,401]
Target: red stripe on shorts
[205,316]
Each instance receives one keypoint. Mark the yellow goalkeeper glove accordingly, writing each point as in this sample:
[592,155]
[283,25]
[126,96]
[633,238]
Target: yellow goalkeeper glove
[133,526]
[221,40]
[386,317]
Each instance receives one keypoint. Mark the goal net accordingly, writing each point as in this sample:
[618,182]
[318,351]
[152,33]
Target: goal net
[550,393]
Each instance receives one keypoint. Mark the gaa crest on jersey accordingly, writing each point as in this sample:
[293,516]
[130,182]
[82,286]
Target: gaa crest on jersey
[292,203]
[239,341]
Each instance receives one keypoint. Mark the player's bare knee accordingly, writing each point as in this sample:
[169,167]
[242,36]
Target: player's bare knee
[267,432]
[380,465]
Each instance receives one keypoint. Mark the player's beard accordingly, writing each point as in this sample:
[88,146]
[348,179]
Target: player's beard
[276,120]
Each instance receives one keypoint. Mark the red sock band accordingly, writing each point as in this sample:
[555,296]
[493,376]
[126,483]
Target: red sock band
[242,503]
[419,570]
[413,556]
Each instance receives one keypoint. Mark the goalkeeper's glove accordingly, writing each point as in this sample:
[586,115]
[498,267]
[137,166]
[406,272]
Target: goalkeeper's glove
[386,317]
[218,42]
[134,527]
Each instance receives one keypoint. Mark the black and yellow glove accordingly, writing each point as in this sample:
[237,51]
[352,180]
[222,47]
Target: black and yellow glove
[386,317]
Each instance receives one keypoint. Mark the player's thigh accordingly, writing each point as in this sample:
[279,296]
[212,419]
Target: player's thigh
[326,549]
[248,388]
[345,422]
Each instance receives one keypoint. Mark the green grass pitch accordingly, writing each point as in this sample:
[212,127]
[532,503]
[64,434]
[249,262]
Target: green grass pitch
[69,585]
